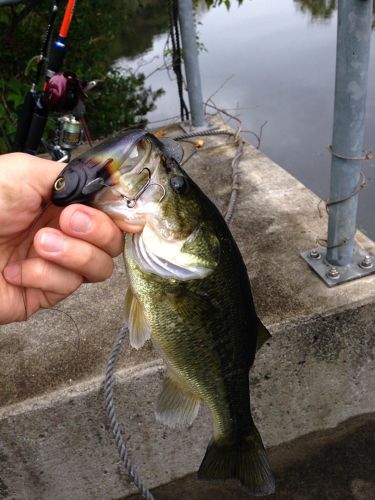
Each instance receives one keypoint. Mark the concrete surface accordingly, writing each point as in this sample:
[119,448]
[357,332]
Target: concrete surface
[338,463]
[316,371]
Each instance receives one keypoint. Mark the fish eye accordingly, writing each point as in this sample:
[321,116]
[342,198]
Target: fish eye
[179,184]
[59,184]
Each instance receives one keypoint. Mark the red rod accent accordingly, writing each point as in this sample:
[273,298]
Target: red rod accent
[67,19]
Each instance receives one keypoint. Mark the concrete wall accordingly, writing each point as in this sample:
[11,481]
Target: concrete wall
[317,370]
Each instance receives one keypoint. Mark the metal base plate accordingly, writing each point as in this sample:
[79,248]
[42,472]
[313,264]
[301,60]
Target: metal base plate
[316,259]
[209,126]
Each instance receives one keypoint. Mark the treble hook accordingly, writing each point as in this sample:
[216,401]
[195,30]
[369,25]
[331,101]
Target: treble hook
[130,202]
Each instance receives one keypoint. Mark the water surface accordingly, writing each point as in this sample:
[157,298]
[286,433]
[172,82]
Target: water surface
[283,66]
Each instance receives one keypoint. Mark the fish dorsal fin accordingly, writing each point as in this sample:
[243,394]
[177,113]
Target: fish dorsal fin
[139,330]
[202,248]
[176,405]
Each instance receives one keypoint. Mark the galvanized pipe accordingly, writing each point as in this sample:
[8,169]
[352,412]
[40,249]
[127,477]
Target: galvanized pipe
[352,61]
[190,53]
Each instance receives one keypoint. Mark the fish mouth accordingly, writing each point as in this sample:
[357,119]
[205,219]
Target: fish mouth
[133,186]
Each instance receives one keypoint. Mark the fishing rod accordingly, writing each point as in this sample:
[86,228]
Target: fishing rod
[34,114]
[55,62]
[31,97]
[58,49]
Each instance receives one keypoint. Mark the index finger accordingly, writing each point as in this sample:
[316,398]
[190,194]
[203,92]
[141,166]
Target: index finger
[91,225]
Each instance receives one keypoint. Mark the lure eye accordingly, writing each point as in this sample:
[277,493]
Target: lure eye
[59,184]
[179,184]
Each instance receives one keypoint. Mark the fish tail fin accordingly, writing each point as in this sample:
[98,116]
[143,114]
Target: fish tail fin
[244,459]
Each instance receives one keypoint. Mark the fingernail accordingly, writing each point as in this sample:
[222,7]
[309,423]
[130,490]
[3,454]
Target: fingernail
[51,242]
[12,273]
[80,222]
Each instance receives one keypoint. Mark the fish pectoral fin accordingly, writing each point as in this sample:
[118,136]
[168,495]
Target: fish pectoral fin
[139,330]
[262,334]
[176,406]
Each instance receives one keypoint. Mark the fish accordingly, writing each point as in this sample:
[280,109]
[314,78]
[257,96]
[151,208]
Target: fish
[189,292]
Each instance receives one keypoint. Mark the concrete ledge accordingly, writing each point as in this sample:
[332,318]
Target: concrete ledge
[316,371]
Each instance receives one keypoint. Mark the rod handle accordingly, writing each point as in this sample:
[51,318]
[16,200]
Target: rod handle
[24,121]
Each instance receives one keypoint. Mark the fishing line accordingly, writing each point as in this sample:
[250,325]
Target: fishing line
[190,155]
[28,233]
[23,289]
[24,298]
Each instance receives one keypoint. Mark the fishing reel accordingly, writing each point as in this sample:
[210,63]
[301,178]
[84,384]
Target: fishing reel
[62,92]
[65,93]
[69,134]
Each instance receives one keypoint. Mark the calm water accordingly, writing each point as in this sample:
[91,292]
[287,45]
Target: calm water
[283,67]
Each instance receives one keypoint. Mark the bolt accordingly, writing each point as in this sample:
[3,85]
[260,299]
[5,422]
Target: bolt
[333,273]
[314,254]
[366,262]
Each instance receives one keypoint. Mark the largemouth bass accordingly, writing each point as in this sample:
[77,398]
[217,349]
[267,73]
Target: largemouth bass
[189,292]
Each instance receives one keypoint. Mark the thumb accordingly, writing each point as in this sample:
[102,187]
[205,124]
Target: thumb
[39,172]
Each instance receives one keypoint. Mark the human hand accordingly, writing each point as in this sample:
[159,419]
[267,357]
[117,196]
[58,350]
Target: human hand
[43,262]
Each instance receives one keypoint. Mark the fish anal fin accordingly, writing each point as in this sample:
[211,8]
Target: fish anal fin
[139,330]
[262,334]
[176,405]
[245,460]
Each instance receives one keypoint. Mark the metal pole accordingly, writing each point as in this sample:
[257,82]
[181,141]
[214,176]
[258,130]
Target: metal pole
[352,61]
[190,52]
